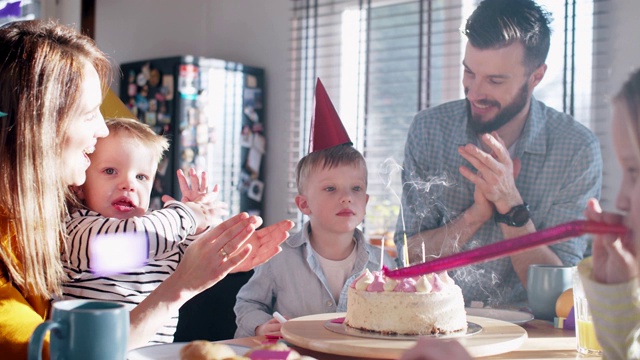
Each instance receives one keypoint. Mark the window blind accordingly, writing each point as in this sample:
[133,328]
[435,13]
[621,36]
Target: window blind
[382,61]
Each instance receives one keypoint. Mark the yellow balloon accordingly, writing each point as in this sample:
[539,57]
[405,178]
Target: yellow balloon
[564,303]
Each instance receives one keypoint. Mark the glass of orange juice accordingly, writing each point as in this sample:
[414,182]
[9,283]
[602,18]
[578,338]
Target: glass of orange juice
[587,342]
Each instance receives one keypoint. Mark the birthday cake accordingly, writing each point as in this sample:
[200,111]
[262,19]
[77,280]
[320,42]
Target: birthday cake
[429,304]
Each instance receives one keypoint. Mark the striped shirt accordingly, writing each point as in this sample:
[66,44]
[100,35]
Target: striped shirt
[166,232]
[615,310]
[561,169]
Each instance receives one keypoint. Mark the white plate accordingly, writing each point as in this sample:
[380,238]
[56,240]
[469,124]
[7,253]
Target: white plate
[512,316]
[169,351]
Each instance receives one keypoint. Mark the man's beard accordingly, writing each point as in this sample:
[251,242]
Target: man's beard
[504,116]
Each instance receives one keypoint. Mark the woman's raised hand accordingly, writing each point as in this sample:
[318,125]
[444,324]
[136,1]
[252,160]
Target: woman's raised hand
[215,253]
[265,244]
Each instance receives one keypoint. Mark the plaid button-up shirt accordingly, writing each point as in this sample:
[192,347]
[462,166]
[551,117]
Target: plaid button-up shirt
[561,170]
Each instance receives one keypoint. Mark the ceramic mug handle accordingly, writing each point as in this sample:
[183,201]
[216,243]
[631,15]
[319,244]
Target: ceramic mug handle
[37,338]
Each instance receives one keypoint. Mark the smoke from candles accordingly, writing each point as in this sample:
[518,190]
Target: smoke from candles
[426,205]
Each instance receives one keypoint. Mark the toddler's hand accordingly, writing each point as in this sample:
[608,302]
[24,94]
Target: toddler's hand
[204,203]
[270,328]
[198,187]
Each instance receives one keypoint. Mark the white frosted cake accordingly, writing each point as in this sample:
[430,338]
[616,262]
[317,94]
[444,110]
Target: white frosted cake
[429,304]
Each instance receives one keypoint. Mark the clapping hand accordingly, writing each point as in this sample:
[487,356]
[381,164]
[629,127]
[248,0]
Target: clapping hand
[265,244]
[232,246]
[495,175]
[216,252]
[204,203]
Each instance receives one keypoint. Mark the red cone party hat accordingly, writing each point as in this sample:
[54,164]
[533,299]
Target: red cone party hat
[326,128]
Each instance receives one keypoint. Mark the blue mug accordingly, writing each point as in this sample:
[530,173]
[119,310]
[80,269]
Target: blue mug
[83,329]
[545,283]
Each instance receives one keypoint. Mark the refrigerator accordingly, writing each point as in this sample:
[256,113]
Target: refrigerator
[212,111]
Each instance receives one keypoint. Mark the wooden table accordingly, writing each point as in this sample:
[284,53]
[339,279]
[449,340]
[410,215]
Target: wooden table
[544,342]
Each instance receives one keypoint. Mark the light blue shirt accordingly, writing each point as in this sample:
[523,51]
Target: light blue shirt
[561,170]
[293,284]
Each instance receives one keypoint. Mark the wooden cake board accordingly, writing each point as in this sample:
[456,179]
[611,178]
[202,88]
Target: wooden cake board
[309,332]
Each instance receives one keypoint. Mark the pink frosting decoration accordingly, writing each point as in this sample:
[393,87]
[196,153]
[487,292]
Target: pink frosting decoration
[378,283]
[437,283]
[353,283]
[406,285]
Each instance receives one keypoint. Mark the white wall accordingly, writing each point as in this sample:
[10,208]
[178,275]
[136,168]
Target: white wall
[66,11]
[256,32]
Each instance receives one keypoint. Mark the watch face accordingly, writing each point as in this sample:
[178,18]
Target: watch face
[521,216]
[517,216]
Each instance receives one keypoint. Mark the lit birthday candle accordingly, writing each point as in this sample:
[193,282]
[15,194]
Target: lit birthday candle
[382,253]
[405,252]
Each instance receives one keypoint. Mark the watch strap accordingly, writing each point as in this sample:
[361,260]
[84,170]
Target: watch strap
[517,216]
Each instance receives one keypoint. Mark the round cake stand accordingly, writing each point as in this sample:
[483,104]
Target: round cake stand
[308,332]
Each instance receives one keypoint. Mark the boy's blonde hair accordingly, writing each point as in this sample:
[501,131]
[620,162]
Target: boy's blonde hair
[141,132]
[327,159]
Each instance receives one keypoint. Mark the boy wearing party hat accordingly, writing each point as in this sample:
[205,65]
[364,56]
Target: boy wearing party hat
[313,272]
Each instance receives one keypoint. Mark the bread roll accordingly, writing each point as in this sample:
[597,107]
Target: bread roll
[205,350]
[279,346]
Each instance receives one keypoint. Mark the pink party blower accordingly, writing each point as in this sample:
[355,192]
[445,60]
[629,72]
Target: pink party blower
[496,250]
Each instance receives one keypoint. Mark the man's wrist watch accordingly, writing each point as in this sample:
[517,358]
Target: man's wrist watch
[518,216]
